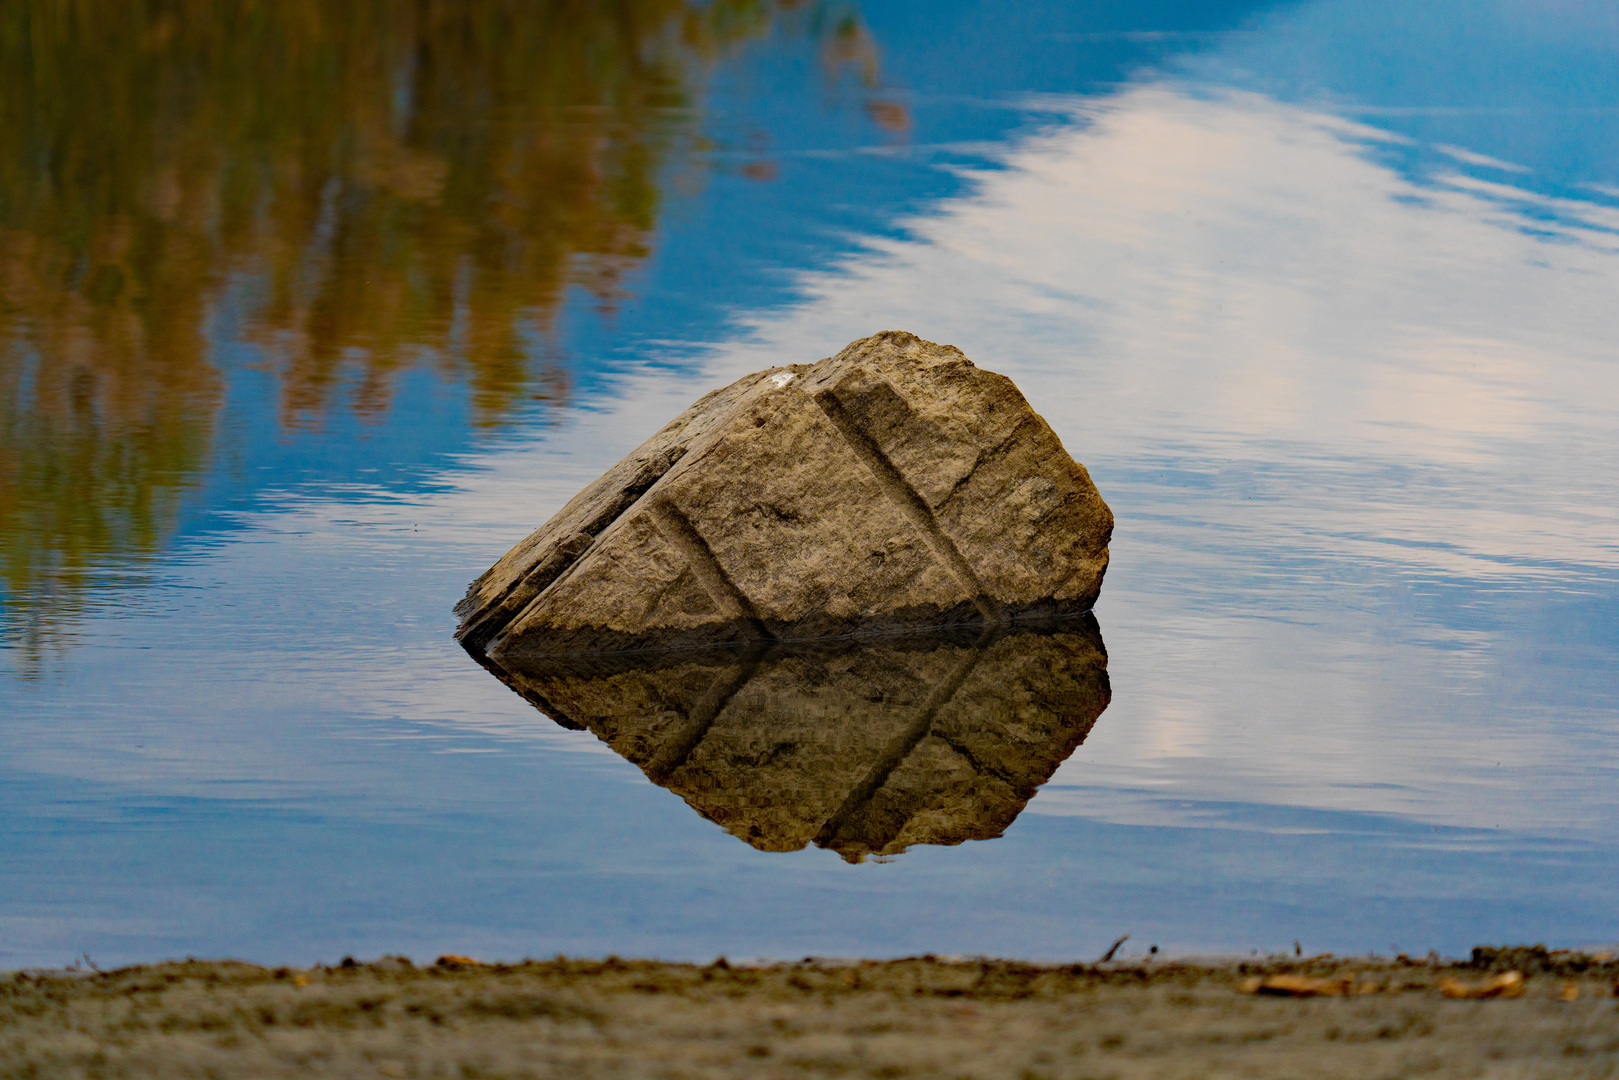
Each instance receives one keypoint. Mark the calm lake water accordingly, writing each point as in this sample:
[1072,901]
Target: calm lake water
[309,312]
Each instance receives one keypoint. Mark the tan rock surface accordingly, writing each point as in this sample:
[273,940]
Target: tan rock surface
[864,746]
[894,485]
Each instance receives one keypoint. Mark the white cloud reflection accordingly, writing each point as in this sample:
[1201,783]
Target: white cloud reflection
[1315,391]
[1338,414]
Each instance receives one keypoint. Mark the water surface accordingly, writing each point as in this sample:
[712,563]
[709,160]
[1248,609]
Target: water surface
[328,312]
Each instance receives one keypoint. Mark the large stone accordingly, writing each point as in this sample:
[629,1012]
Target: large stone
[861,745]
[892,486]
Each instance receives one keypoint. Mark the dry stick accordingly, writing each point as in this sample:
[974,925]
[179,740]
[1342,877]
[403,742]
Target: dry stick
[1109,954]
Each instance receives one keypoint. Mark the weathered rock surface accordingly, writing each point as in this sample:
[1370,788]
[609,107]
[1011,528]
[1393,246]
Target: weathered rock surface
[861,745]
[892,486]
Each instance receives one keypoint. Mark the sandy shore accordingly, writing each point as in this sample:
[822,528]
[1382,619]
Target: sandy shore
[922,1017]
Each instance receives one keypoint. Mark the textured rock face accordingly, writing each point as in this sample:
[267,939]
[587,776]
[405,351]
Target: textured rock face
[892,486]
[864,746]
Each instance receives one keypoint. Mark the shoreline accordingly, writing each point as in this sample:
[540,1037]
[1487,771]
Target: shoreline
[1549,1011]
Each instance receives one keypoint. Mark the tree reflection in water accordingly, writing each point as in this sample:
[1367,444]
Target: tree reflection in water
[392,185]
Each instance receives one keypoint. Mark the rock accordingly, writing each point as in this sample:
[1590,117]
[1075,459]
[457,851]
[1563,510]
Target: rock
[861,745]
[892,486]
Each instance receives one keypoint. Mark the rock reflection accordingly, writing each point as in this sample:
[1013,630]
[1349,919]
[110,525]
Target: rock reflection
[863,746]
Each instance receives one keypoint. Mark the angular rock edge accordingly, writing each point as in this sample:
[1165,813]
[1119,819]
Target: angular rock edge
[896,449]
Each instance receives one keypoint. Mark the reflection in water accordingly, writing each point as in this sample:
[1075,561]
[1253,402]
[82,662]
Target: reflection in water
[1362,504]
[863,746]
[378,185]
[1354,409]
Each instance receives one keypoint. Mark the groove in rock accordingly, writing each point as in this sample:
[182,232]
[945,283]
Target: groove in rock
[911,504]
[684,538]
[902,745]
[487,619]
[702,716]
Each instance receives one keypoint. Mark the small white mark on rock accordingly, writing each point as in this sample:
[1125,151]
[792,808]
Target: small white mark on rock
[782,378]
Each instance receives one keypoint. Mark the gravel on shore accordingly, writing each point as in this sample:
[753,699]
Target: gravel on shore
[919,1017]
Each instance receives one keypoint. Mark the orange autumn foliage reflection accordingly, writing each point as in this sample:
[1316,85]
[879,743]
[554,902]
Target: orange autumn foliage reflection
[373,185]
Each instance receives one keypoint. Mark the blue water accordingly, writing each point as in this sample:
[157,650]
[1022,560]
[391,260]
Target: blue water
[1323,295]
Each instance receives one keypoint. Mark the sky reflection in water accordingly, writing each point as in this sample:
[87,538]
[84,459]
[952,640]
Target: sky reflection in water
[1327,313]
